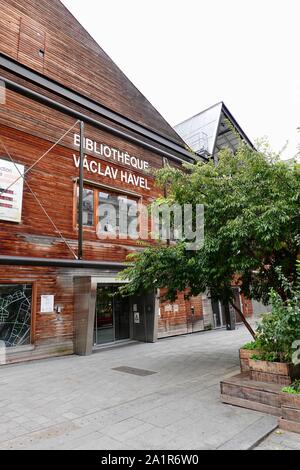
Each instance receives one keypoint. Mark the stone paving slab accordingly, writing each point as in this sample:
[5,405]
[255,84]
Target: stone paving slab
[252,435]
[82,403]
[280,440]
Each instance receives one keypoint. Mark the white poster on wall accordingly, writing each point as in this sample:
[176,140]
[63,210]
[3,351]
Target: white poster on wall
[136,317]
[47,303]
[11,191]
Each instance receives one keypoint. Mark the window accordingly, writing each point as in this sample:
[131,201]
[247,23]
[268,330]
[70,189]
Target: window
[117,214]
[110,212]
[15,314]
[88,207]
[132,217]
[109,217]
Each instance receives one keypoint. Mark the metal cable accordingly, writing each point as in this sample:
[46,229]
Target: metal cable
[38,201]
[41,157]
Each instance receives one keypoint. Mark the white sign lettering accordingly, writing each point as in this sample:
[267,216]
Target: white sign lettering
[112,153]
[108,171]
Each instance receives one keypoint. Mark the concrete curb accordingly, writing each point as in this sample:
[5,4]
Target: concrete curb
[252,436]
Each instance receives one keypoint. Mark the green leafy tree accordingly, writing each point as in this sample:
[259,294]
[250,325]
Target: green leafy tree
[252,222]
[280,331]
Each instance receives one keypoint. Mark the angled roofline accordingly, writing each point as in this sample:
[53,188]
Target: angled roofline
[53,86]
[97,45]
[198,114]
[229,116]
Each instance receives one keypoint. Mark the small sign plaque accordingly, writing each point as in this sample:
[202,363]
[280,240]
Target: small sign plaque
[47,303]
[136,317]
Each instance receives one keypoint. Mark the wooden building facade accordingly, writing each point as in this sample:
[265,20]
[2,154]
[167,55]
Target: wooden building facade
[70,118]
[55,300]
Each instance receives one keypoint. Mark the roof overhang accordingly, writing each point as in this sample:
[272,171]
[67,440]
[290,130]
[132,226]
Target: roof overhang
[162,144]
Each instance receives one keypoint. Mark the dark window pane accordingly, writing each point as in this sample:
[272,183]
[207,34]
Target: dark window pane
[15,314]
[130,208]
[117,214]
[108,210]
[88,206]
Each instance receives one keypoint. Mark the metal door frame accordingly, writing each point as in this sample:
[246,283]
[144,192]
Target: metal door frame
[107,282]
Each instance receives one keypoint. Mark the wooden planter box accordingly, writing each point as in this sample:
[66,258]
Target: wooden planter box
[290,412]
[241,391]
[274,372]
[245,355]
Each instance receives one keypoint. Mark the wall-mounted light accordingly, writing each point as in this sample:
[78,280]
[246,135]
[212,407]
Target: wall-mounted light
[58,309]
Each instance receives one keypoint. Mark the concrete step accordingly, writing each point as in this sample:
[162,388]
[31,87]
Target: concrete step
[252,436]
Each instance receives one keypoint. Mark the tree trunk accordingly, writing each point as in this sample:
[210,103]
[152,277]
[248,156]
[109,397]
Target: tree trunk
[247,325]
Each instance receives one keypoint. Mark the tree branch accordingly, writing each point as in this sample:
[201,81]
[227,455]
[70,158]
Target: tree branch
[247,325]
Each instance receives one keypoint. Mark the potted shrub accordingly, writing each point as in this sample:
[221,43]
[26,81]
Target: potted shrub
[270,367]
[278,332]
[246,352]
[290,406]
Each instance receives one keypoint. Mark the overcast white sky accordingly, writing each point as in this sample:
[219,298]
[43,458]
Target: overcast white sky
[186,55]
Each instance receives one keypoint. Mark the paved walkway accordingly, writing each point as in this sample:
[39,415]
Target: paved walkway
[281,440]
[83,403]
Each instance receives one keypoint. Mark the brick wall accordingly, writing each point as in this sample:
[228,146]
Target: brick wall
[247,306]
[183,316]
[177,318]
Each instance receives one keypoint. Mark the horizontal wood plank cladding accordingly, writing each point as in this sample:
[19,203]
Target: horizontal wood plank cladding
[69,63]
[31,44]
[59,54]
[86,111]
[52,180]
[52,15]
[33,30]
[33,118]
[58,167]
[75,60]
[9,31]
[46,327]
[52,335]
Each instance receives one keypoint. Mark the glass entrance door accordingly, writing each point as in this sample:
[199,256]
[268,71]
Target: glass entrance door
[122,315]
[104,317]
[112,316]
[219,313]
